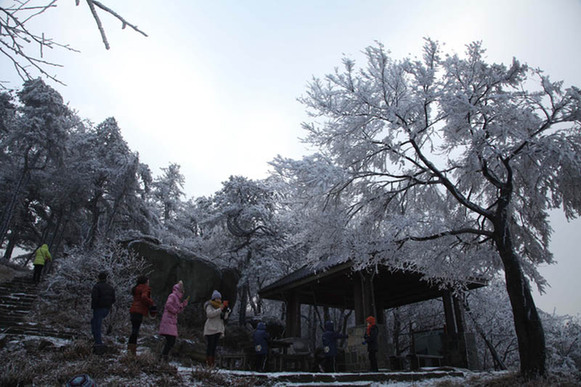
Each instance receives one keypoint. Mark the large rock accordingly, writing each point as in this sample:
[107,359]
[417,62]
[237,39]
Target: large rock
[200,276]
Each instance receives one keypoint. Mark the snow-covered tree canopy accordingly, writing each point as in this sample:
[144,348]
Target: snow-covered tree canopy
[427,150]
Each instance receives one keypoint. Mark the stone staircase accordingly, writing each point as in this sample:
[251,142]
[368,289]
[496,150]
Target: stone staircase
[17,298]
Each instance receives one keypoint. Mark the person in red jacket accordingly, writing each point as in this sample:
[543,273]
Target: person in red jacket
[370,338]
[142,302]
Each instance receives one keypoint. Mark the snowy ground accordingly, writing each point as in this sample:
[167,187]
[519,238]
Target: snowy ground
[470,378]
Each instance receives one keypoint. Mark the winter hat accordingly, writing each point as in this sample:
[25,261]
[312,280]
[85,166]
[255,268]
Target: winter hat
[81,381]
[179,287]
[216,294]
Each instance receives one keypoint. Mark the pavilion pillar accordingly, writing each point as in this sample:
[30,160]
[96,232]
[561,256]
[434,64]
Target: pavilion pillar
[460,316]
[451,328]
[455,342]
[467,356]
[358,305]
[293,316]
[364,297]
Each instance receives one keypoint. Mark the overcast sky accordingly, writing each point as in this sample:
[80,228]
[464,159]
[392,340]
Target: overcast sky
[214,86]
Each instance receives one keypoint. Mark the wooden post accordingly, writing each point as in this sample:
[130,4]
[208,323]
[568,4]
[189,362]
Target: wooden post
[461,326]
[451,335]
[293,316]
[451,328]
[358,297]
[364,297]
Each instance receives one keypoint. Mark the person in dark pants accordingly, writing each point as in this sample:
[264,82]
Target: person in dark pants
[216,314]
[370,338]
[330,338]
[260,338]
[41,256]
[140,307]
[102,298]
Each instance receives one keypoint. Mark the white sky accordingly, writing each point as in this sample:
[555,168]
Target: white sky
[214,86]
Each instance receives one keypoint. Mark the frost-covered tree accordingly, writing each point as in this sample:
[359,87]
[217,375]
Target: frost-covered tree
[490,316]
[168,191]
[450,164]
[33,142]
[563,343]
[241,229]
[114,179]
[63,179]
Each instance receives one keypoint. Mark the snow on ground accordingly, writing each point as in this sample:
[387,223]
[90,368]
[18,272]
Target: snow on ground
[277,376]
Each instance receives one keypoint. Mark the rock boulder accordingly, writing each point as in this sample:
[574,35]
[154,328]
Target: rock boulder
[200,276]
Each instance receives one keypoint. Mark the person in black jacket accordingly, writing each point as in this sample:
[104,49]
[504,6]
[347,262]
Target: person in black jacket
[330,338]
[102,298]
[370,338]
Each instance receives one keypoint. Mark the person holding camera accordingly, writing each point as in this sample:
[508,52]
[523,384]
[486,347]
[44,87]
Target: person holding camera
[217,312]
[140,307]
[169,321]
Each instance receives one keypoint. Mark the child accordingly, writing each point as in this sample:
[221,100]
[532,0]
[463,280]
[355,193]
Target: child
[260,337]
[330,338]
[370,338]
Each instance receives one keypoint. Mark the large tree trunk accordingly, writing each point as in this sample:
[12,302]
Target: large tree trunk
[93,206]
[6,217]
[528,326]
[10,246]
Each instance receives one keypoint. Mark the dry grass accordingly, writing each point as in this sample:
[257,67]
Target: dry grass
[56,365]
[212,377]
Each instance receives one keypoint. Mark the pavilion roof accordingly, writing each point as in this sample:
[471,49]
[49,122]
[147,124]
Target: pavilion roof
[332,285]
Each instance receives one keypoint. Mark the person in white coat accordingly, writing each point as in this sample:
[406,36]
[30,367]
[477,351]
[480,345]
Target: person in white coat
[216,313]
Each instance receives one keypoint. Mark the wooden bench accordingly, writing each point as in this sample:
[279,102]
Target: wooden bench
[419,360]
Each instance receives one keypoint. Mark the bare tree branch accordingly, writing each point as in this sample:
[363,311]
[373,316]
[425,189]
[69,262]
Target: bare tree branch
[17,41]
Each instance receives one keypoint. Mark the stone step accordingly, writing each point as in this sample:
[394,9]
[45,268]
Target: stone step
[12,316]
[17,299]
[15,304]
[31,331]
[347,379]
[18,293]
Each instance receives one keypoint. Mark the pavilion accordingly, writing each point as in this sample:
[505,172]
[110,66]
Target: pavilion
[370,292]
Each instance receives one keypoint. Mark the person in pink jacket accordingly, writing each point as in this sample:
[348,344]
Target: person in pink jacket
[169,321]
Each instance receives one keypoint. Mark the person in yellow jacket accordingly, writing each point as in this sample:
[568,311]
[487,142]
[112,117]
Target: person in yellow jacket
[41,256]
